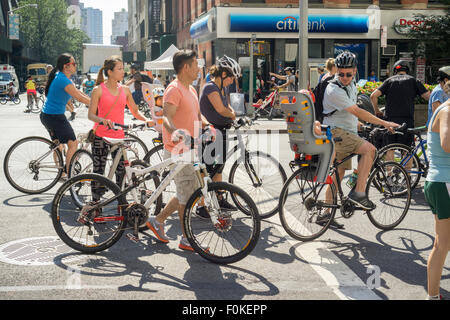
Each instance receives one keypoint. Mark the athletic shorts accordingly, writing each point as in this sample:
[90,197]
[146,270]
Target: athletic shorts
[350,144]
[58,127]
[437,195]
[31,91]
[186,181]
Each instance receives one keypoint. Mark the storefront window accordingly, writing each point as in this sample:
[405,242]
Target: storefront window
[314,50]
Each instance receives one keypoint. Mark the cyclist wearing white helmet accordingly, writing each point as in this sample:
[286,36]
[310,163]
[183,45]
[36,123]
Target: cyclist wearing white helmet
[341,113]
[215,107]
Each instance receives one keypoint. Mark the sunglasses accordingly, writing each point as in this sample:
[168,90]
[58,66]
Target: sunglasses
[345,75]
[72,63]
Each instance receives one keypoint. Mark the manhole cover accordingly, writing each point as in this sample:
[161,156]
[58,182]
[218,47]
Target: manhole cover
[36,251]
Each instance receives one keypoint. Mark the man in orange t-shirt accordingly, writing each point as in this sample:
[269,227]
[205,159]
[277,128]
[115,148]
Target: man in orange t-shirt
[181,113]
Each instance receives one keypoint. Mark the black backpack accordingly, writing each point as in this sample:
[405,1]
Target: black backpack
[319,93]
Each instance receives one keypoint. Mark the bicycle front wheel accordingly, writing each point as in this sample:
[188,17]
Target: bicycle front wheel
[400,153]
[389,188]
[138,149]
[262,177]
[305,210]
[81,162]
[32,165]
[16,100]
[98,223]
[234,234]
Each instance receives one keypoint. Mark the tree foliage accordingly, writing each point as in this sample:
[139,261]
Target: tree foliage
[434,31]
[45,29]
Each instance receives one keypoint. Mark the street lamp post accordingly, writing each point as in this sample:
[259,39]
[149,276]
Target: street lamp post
[34,5]
[251,71]
[303,45]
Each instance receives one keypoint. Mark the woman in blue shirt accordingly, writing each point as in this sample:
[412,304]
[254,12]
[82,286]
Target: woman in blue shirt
[59,90]
[437,194]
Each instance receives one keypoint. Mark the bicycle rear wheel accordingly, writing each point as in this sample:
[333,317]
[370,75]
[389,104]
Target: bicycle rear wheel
[302,213]
[98,223]
[389,188]
[35,107]
[234,235]
[31,166]
[262,177]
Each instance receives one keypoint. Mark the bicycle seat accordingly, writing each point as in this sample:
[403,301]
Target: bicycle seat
[113,141]
[300,119]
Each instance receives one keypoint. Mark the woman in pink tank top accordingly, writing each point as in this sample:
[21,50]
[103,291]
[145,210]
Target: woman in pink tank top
[107,106]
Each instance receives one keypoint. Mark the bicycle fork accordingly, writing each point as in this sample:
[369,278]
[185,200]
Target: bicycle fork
[210,199]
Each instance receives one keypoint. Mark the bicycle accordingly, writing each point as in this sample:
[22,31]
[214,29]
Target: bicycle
[306,213]
[410,157]
[15,99]
[256,172]
[106,214]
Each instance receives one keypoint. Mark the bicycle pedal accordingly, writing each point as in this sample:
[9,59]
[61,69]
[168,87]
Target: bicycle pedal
[133,237]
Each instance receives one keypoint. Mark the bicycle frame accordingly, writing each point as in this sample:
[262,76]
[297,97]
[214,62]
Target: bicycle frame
[406,159]
[175,163]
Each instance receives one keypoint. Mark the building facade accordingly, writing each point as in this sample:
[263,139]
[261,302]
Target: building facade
[217,27]
[119,25]
[92,23]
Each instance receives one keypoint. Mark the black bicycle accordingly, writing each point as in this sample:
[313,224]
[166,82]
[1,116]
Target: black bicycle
[308,207]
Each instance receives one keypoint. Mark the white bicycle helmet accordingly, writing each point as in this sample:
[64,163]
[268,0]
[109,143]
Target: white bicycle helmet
[230,64]
[158,92]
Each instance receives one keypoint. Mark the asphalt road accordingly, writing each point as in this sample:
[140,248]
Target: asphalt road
[358,262]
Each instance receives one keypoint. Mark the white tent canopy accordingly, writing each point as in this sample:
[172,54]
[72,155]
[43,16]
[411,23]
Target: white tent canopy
[164,62]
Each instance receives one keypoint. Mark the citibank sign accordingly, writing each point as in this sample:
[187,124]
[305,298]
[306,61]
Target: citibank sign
[316,23]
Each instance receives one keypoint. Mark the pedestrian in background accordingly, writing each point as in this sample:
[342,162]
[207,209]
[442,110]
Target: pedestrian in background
[400,90]
[437,194]
[372,77]
[438,96]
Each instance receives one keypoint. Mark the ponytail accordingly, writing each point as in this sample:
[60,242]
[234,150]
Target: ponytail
[62,60]
[100,77]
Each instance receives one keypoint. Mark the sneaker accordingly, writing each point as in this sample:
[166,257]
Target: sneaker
[158,229]
[202,213]
[361,201]
[72,116]
[323,220]
[224,204]
[27,111]
[186,246]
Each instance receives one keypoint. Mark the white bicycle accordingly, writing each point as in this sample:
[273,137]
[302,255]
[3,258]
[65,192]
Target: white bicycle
[100,214]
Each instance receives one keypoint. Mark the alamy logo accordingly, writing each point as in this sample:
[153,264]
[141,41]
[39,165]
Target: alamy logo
[290,23]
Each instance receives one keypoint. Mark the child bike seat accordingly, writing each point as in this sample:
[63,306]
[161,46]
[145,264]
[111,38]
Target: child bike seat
[298,110]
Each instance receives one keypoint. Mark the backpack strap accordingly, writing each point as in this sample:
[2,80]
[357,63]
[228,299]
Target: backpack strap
[336,82]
